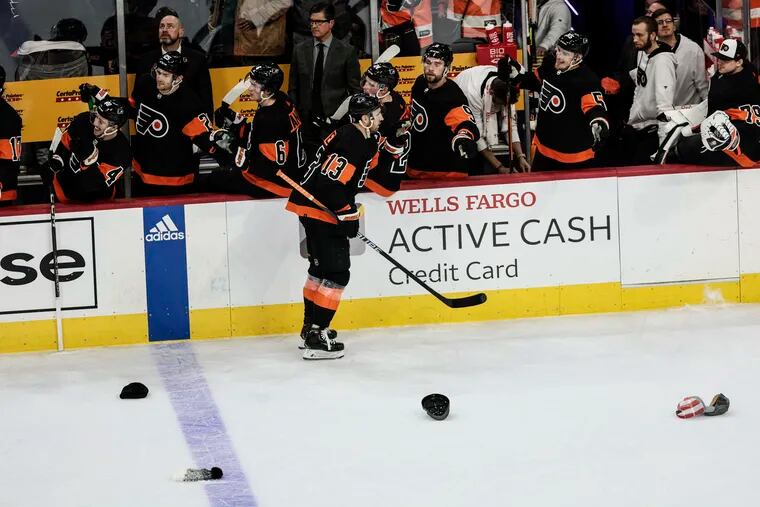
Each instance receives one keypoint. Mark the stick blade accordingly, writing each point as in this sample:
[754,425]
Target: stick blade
[473,300]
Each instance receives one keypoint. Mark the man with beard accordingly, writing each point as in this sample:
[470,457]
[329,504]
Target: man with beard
[272,141]
[92,155]
[655,77]
[572,118]
[443,130]
[171,35]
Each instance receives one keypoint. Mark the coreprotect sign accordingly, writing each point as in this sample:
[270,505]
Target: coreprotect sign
[27,266]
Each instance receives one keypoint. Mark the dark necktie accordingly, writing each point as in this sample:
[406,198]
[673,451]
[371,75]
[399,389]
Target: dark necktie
[316,87]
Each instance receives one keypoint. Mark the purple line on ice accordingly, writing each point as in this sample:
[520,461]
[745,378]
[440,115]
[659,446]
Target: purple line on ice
[201,423]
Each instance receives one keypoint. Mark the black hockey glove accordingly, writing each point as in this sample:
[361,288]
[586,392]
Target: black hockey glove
[601,131]
[465,147]
[224,117]
[89,92]
[323,122]
[348,220]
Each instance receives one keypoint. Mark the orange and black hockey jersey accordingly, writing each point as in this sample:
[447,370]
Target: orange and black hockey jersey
[10,151]
[568,102]
[395,144]
[84,178]
[739,96]
[167,127]
[271,142]
[438,116]
[336,174]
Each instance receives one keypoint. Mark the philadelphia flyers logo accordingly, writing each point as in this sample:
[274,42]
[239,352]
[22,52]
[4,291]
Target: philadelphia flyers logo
[551,98]
[419,117]
[151,122]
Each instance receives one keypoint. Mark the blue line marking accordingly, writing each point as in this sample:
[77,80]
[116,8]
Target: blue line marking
[201,423]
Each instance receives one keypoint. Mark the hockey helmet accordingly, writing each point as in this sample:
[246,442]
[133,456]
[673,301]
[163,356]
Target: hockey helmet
[574,42]
[718,133]
[173,62]
[436,405]
[2,77]
[113,110]
[268,75]
[68,29]
[383,73]
[718,405]
[361,104]
[439,50]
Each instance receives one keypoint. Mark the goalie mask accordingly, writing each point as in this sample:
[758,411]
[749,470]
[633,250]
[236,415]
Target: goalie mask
[718,133]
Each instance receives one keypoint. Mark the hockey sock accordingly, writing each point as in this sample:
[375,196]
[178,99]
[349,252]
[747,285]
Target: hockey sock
[326,302]
[310,289]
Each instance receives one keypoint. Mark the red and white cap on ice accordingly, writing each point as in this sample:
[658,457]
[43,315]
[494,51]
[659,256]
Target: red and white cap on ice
[689,407]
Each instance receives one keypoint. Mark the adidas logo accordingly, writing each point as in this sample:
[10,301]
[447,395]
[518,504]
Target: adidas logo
[164,230]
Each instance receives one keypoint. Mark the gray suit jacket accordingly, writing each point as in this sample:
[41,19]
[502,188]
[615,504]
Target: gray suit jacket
[340,77]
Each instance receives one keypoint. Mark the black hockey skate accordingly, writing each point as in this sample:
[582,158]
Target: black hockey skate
[331,333]
[319,345]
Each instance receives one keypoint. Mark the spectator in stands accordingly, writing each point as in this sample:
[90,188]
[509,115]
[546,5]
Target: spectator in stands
[553,21]
[260,29]
[655,78]
[691,76]
[171,35]
[731,133]
[10,147]
[140,28]
[487,92]
[300,16]
[92,154]
[323,72]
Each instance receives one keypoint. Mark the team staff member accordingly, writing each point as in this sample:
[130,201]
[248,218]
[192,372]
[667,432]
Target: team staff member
[10,148]
[92,155]
[572,117]
[337,172]
[272,141]
[443,128]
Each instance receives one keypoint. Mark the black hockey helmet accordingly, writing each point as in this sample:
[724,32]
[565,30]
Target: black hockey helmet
[173,62]
[383,73]
[113,110]
[2,78]
[436,405]
[575,42]
[69,29]
[439,50]
[360,104]
[268,75]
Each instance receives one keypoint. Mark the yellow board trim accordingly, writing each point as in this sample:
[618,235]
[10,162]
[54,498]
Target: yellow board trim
[80,332]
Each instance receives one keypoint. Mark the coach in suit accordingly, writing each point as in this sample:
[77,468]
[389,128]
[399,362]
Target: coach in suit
[323,71]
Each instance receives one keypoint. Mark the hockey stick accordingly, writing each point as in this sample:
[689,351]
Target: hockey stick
[57,136]
[473,300]
[386,56]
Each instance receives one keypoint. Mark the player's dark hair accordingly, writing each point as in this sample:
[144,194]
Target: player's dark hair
[327,8]
[646,20]
[499,89]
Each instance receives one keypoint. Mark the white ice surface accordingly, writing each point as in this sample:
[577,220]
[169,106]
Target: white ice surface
[571,411]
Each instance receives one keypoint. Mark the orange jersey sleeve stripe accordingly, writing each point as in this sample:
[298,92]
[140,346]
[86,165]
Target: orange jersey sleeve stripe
[741,159]
[267,185]
[269,150]
[169,181]
[66,140]
[737,114]
[195,127]
[456,117]
[378,188]
[6,150]
[589,102]
[59,194]
[308,211]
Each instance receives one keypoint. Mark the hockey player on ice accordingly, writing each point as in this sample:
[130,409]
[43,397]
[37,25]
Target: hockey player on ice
[443,130]
[272,141]
[572,118]
[337,172]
